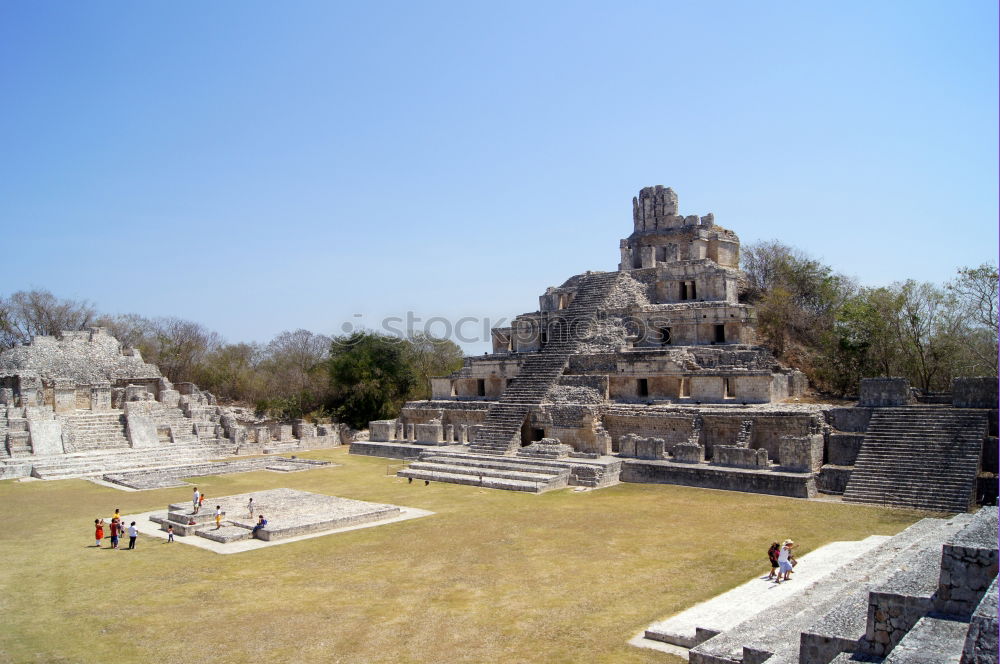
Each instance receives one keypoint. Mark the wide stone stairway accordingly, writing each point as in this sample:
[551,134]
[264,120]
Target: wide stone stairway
[870,601]
[95,431]
[920,457]
[500,433]
[487,470]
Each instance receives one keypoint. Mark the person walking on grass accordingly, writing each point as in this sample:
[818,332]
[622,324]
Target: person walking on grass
[784,564]
[98,532]
[772,556]
[170,533]
[133,533]
[115,530]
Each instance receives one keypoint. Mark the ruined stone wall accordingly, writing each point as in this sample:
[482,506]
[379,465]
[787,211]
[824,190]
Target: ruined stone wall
[83,358]
[974,392]
[882,392]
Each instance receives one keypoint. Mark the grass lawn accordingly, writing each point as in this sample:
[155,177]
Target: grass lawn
[492,576]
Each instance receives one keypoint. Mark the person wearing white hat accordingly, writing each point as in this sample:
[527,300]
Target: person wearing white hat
[784,565]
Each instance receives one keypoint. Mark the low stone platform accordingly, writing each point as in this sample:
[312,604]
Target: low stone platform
[163,478]
[291,514]
[708,476]
[512,473]
[398,450]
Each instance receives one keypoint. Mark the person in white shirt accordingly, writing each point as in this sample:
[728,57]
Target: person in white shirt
[784,564]
[133,533]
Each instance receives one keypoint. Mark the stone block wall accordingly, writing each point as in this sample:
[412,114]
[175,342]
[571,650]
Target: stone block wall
[966,574]
[842,448]
[979,392]
[803,454]
[689,453]
[741,457]
[382,431]
[981,641]
[882,392]
[639,447]
[890,617]
[431,433]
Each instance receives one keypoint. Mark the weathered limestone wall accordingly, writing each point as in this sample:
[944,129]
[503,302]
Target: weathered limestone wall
[968,565]
[842,448]
[140,424]
[977,392]
[882,392]
[849,419]
[981,642]
[83,358]
[796,485]
[802,454]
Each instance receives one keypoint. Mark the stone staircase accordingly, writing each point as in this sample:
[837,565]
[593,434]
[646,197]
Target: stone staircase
[489,471]
[100,430]
[501,430]
[877,602]
[97,463]
[919,457]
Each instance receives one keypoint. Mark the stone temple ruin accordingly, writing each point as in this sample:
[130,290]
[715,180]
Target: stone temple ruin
[651,374]
[82,406]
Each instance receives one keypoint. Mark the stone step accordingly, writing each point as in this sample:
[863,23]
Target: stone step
[541,465]
[932,640]
[511,474]
[475,480]
[723,612]
[765,635]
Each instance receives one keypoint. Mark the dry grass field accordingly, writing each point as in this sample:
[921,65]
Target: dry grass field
[493,576]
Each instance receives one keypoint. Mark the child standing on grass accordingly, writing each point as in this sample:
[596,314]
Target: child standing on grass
[133,533]
[170,533]
[98,532]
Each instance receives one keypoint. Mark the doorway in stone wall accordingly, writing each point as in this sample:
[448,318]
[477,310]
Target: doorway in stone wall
[530,434]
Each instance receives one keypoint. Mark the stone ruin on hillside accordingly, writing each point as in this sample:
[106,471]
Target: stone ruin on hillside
[651,373]
[80,404]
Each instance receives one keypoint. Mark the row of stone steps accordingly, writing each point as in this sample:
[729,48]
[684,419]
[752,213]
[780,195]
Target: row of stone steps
[93,464]
[821,612]
[920,457]
[488,471]
[95,430]
[500,433]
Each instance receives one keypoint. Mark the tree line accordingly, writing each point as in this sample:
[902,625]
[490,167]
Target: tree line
[813,318]
[837,331]
[353,378]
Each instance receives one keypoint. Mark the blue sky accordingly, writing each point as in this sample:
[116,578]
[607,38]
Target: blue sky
[259,166]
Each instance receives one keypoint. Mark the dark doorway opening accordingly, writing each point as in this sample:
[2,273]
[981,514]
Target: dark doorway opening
[643,388]
[720,334]
[665,336]
[530,434]
[481,387]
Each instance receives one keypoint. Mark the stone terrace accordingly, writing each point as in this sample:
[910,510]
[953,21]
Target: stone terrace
[898,599]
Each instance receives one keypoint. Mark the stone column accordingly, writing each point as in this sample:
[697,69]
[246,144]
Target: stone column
[449,433]
[64,396]
[100,396]
[410,436]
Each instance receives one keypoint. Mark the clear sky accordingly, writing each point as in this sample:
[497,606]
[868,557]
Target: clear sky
[261,166]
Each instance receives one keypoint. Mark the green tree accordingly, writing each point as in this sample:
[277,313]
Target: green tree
[370,377]
[430,357]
